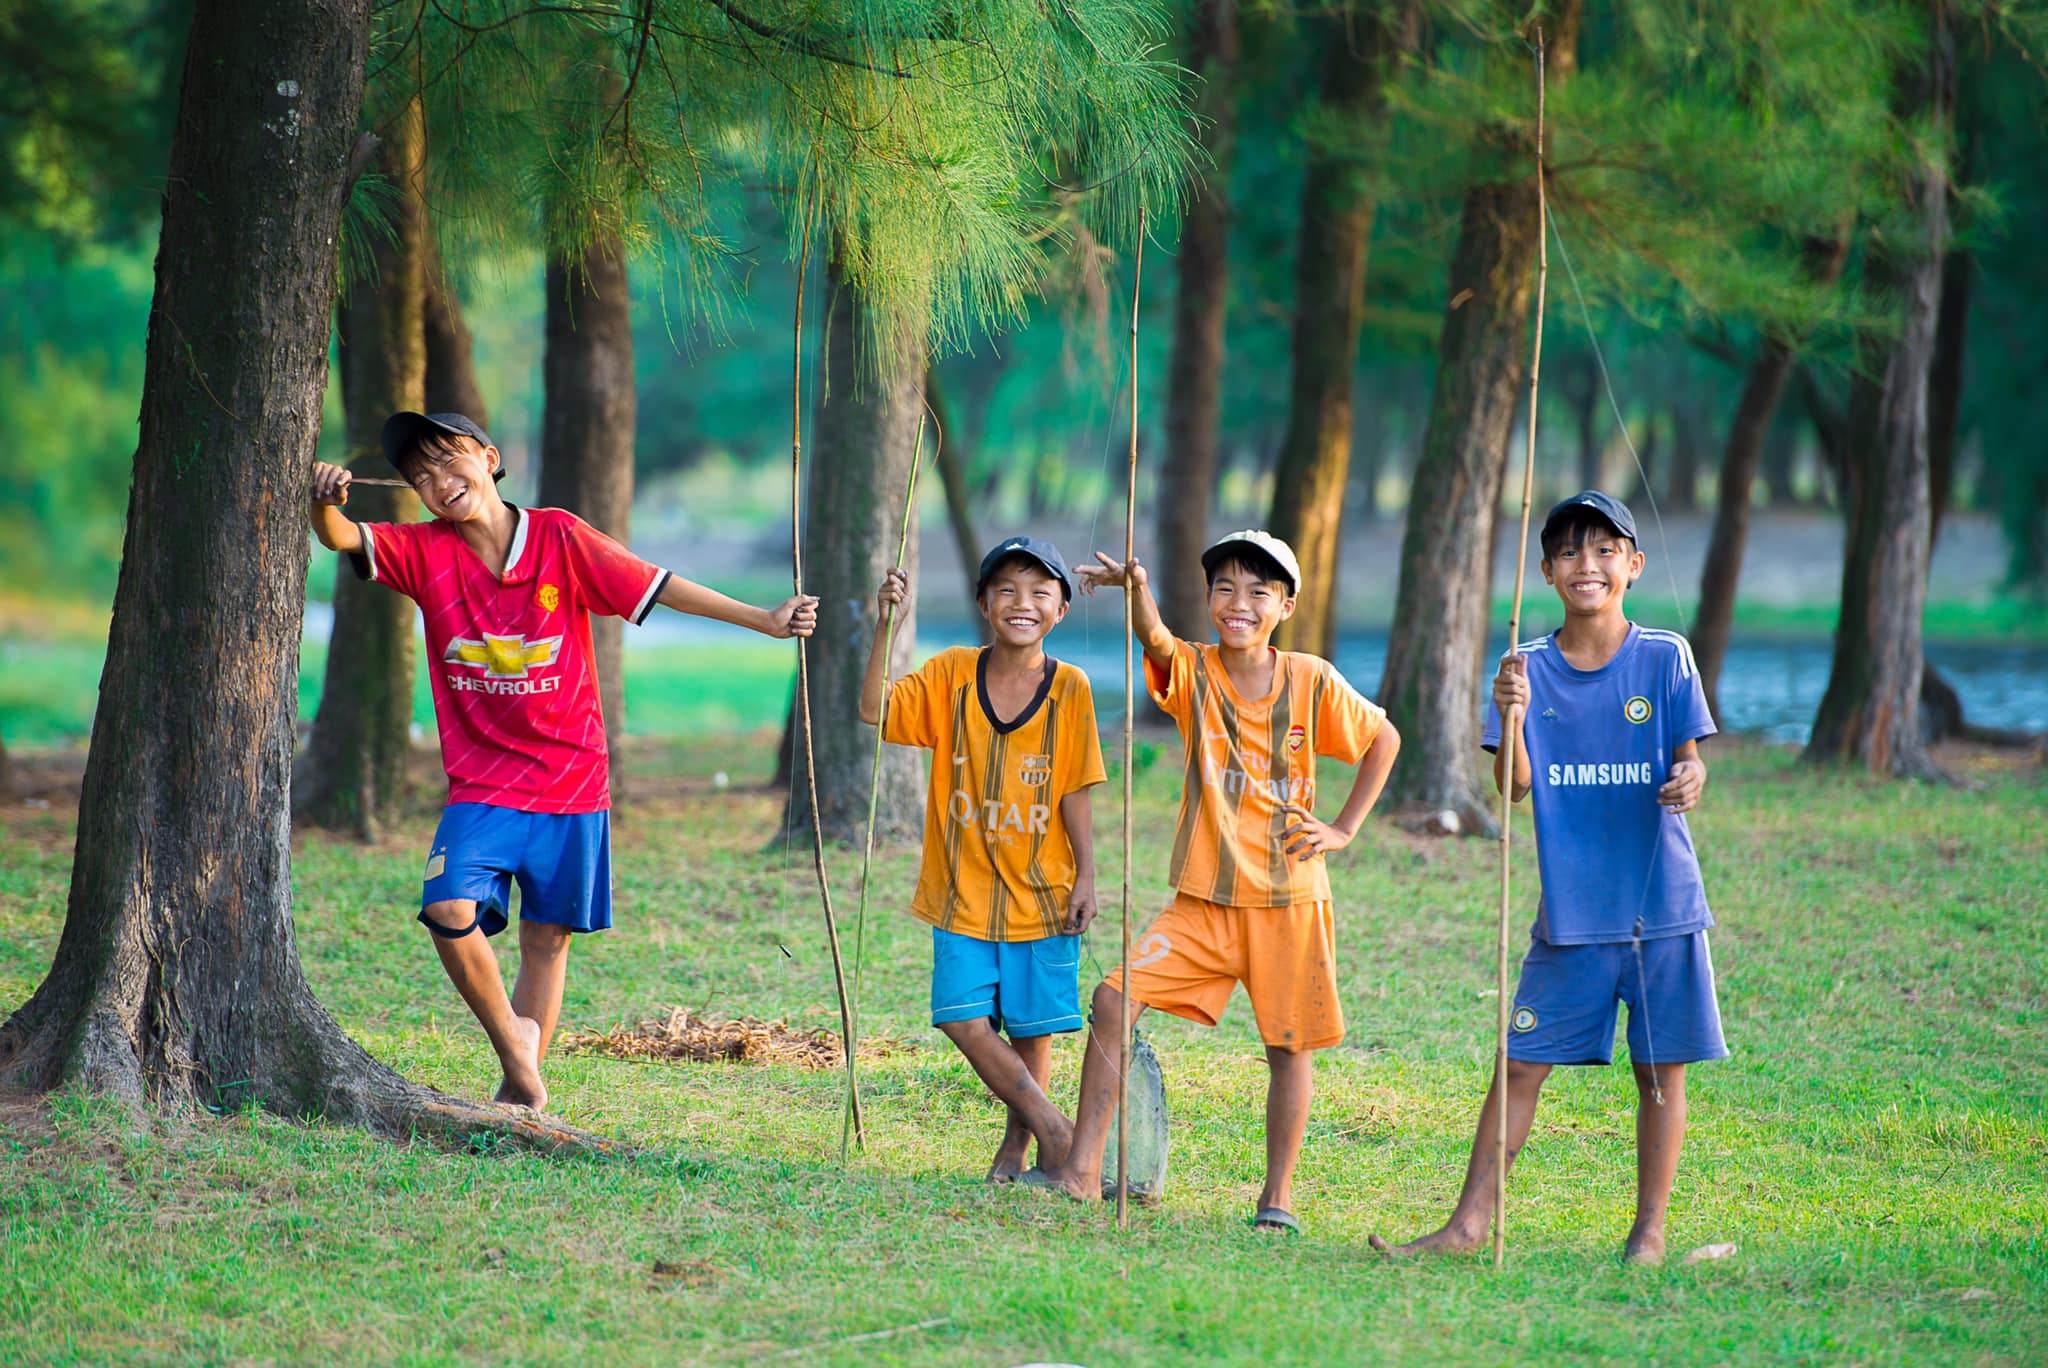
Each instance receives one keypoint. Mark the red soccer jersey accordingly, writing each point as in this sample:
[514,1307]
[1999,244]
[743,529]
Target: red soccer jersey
[515,682]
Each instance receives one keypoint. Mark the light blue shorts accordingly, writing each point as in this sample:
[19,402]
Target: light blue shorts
[562,863]
[1570,996]
[1030,988]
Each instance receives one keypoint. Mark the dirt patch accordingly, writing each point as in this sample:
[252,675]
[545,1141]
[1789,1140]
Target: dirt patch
[683,1038]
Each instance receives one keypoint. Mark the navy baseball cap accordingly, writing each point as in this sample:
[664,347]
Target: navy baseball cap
[1032,548]
[401,430]
[1593,501]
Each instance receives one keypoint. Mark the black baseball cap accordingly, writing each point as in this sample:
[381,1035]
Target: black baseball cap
[401,430]
[1593,501]
[1032,548]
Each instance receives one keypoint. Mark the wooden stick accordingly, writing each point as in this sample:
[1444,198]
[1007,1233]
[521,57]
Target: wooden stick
[376,483]
[848,1042]
[867,858]
[1511,725]
[1123,1072]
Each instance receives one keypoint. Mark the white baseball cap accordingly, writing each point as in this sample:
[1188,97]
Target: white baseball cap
[1259,540]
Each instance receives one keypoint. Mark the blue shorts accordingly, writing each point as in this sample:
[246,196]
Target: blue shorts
[1569,996]
[1030,988]
[563,863]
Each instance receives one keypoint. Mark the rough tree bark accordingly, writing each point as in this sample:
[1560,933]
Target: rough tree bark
[1329,298]
[1436,650]
[586,437]
[1194,374]
[1869,717]
[177,978]
[353,775]
[1755,411]
[858,459]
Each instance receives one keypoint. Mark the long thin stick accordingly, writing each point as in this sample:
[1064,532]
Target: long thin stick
[1123,1008]
[847,1040]
[1511,725]
[377,483]
[867,858]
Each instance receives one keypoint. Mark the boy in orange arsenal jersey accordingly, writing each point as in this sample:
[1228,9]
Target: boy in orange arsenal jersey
[1008,877]
[1252,897]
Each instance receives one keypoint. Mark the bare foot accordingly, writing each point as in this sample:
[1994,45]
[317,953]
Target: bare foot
[1006,1168]
[1081,1189]
[1645,1249]
[1055,1157]
[1449,1240]
[522,1086]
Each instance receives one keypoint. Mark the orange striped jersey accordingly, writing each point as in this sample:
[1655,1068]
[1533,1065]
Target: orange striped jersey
[1245,758]
[997,862]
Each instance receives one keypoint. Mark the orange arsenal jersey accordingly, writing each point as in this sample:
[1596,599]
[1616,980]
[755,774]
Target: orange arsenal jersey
[1246,757]
[997,862]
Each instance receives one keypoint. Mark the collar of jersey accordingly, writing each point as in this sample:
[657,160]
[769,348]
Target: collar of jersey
[514,556]
[988,709]
[1628,646]
[1214,654]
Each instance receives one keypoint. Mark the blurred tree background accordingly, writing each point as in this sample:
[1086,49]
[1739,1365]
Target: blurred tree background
[1731,182]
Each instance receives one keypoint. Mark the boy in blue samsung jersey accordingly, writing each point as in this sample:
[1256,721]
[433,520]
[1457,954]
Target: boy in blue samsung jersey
[1612,718]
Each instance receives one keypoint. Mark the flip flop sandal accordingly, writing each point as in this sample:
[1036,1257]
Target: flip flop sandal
[1275,1218]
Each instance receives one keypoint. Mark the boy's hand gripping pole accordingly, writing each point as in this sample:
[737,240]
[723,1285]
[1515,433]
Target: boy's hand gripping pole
[1511,725]
[1123,1008]
[847,1041]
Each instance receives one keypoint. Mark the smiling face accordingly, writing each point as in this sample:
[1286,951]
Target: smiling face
[1022,602]
[454,476]
[1244,606]
[1591,566]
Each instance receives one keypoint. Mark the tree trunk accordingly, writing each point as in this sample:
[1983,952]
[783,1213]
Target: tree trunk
[1582,384]
[1329,297]
[1755,412]
[1945,389]
[1436,649]
[860,453]
[451,366]
[353,777]
[1681,480]
[586,437]
[1869,716]
[1194,376]
[6,772]
[952,464]
[177,979]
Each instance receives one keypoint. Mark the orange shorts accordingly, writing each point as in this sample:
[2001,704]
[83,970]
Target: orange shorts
[1195,952]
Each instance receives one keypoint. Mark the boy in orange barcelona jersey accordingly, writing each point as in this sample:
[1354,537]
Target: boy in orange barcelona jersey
[1008,877]
[1252,896]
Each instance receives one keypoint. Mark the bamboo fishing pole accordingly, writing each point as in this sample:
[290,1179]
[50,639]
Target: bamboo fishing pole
[847,1040]
[860,918]
[1123,1008]
[1511,725]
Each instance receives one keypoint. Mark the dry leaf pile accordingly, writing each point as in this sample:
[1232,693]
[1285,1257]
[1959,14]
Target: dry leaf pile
[684,1038]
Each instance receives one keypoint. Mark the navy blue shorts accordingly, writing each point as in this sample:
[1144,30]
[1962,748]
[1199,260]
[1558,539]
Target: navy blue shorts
[1570,995]
[562,862]
[1030,988]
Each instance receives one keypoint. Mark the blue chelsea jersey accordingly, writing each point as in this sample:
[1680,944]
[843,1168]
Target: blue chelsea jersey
[1601,744]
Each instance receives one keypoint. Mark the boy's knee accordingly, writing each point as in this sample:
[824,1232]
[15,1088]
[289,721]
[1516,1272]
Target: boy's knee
[960,1032]
[1104,1004]
[1526,1073]
[544,938]
[450,920]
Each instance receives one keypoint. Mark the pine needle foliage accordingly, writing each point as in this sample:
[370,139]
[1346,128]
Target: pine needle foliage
[1693,152]
[945,147]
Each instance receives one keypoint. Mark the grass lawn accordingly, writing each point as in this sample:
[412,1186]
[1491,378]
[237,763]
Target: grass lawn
[1878,1146]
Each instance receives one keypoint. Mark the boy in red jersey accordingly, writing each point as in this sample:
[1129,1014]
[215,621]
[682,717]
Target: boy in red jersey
[507,594]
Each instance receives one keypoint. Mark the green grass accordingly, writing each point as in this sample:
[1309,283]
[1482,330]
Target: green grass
[1878,1145]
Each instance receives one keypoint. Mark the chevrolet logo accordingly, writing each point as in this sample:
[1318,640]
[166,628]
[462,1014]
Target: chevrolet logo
[503,657]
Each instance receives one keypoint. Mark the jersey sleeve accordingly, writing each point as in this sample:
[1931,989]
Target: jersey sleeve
[1686,698]
[610,579]
[1082,742]
[920,704]
[1347,722]
[1174,689]
[393,554]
